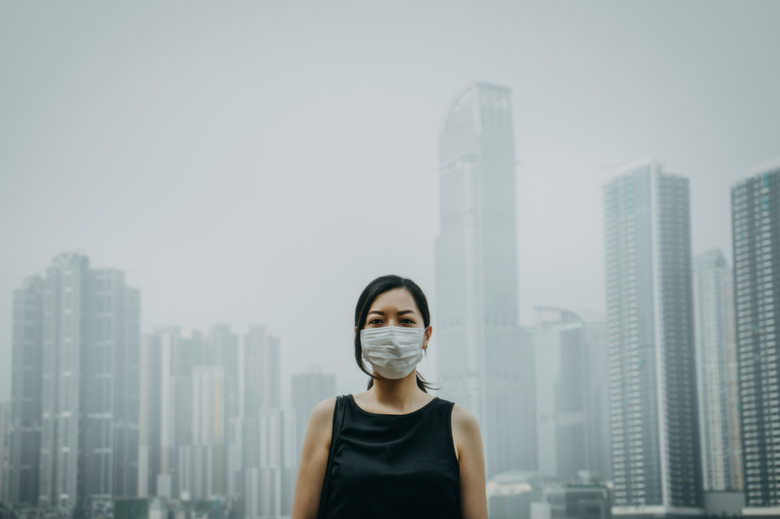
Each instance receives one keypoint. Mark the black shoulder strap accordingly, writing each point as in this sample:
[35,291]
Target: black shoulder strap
[338,419]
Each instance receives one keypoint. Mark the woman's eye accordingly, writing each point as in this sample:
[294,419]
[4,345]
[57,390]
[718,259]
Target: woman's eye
[375,321]
[407,321]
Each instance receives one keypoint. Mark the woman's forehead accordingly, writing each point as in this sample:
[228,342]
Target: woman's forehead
[400,298]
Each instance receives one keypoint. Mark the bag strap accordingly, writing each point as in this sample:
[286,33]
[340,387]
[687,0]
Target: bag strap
[338,420]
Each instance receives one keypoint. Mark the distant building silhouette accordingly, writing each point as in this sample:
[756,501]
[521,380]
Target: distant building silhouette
[74,417]
[22,470]
[572,388]
[5,427]
[485,361]
[308,389]
[166,432]
[717,374]
[268,458]
[655,438]
[211,420]
[755,204]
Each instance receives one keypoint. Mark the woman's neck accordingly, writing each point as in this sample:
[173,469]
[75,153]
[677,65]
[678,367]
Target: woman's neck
[399,395]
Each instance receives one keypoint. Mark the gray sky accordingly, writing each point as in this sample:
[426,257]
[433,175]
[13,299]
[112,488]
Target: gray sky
[260,162]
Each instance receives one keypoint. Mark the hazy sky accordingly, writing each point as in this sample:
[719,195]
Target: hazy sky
[260,162]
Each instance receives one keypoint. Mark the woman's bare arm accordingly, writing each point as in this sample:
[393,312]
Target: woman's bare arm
[314,460]
[468,445]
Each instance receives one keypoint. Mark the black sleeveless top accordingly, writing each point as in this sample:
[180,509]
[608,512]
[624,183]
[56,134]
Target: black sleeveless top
[395,466]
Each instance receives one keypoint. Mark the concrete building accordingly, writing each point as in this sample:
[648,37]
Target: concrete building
[269,456]
[5,428]
[223,348]
[22,469]
[167,358]
[209,443]
[578,501]
[76,391]
[656,457]
[716,366]
[487,364]
[755,204]
[512,495]
[308,389]
[572,394]
[202,413]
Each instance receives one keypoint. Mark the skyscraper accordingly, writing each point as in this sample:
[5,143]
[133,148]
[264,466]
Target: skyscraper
[190,426]
[268,458]
[5,426]
[572,394]
[209,443]
[22,470]
[202,430]
[76,360]
[308,389]
[167,358]
[655,439]
[755,204]
[716,367]
[486,360]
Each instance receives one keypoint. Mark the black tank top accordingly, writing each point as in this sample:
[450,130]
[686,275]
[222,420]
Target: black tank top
[395,466]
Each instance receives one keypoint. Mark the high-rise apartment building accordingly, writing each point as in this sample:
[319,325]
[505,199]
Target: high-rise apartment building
[261,368]
[486,362]
[269,485]
[5,427]
[209,476]
[572,394]
[204,400]
[22,469]
[269,459]
[75,391]
[716,367]
[190,414]
[755,204]
[655,437]
[308,389]
[165,432]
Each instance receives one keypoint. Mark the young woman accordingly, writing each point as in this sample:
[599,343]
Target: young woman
[400,452]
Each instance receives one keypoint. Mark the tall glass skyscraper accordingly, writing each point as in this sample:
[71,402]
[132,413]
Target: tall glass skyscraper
[716,367]
[755,204]
[485,361]
[655,441]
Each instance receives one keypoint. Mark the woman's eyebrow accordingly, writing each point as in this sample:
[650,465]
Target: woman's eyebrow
[380,312]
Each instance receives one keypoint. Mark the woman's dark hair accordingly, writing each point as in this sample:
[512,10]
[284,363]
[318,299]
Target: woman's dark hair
[379,286]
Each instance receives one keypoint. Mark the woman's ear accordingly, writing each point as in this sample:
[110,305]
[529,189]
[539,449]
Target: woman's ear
[427,337]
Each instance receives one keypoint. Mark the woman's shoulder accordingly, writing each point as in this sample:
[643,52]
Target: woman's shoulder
[464,420]
[322,414]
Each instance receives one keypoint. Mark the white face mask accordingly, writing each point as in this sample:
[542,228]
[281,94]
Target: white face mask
[393,351]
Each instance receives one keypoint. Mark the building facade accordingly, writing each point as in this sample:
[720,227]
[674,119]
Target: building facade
[75,391]
[5,427]
[654,419]
[716,366]
[572,388]
[205,412]
[308,389]
[487,365]
[755,204]
[22,469]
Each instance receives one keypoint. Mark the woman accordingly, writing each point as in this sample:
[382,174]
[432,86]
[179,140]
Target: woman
[400,452]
